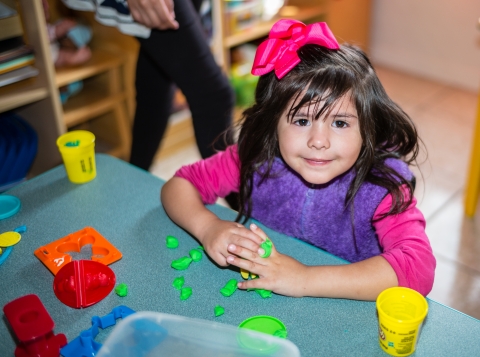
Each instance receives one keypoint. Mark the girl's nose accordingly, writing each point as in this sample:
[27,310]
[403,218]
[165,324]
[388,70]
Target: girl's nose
[318,137]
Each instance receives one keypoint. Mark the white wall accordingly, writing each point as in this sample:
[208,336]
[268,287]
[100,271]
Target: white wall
[437,39]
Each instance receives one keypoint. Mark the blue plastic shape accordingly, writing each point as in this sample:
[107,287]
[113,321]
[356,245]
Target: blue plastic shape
[5,254]
[21,229]
[85,344]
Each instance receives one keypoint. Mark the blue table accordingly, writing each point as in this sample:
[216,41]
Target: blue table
[123,204]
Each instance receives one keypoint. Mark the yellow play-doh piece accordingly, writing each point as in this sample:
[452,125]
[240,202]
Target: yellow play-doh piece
[8,239]
[245,273]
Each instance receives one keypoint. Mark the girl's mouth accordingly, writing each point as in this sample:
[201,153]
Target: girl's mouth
[317,162]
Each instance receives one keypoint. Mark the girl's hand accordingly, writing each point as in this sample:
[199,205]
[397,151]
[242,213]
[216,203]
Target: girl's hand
[279,273]
[219,234]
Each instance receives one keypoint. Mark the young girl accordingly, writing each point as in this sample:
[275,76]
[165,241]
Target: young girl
[322,156]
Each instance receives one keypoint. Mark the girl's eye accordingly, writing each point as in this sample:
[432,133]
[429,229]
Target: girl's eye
[302,122]
[340,124]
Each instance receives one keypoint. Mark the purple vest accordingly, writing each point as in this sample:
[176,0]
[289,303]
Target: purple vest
[317,215]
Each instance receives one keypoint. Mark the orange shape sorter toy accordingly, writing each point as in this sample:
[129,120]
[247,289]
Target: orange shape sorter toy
[55,255]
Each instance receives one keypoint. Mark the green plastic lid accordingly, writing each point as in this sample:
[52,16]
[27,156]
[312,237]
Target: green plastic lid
[262,323]
[266,324]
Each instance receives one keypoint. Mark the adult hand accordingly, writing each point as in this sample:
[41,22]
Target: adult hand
[157,14]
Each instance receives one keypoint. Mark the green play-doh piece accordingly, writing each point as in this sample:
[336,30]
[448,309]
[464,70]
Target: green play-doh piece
[121,290]
[219,310]
[182,263]
[264,293]
[72,143]
[229,288]
[200,247]
[178,282]
[171,242]
[267,247]
[185,293]
[195,255]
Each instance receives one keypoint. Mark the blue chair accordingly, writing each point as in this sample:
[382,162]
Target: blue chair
[18,148]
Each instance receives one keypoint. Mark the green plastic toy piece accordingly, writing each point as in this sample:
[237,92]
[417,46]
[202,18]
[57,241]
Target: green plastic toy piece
[185,293]
[171,242]
[195,255]
[219,310]
[201,247]
[264,293]
[178,282]
[121,289]
[229,288]
[182,263]
[267,247]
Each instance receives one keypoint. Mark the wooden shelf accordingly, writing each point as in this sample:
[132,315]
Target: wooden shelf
[89,106]
[21,93]
[102,94]
[100,62]
[261,29]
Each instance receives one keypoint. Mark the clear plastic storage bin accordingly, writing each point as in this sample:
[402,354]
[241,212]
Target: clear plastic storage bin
[157,334]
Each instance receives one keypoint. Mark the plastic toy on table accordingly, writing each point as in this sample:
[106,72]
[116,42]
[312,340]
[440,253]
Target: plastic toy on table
[9,205]
[82,283]
[85,344]
[4,253]
[54,255]
[159,334]
[33,327]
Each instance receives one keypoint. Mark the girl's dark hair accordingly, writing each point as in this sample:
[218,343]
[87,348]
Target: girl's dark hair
[325,75]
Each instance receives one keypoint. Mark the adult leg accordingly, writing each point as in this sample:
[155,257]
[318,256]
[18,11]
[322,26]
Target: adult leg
[185,56]
[154,100]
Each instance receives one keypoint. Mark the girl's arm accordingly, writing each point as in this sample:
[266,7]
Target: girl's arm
[184,206]
[184,196]
[406,246]
[407,260]
[286,276]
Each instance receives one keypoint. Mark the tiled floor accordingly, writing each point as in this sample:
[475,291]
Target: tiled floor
[445,120]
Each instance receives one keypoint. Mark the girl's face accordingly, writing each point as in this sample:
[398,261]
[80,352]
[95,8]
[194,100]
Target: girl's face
[320,150]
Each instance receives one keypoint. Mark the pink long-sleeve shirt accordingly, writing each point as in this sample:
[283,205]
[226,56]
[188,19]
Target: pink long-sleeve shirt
[402,237]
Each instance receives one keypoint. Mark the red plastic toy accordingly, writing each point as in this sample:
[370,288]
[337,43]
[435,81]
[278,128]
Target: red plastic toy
[55,254]
[82,283]
[33,327]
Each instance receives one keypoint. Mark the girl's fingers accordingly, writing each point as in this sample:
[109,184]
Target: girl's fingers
[244,253]
[220,259]
[244,264]
[246,243]
[251,284]
[258,231]
[253,236]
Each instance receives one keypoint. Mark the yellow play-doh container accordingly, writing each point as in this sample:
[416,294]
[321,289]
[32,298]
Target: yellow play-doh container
[78,153]
[401,312]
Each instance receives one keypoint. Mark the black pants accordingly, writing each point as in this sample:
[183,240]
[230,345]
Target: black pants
[181,57]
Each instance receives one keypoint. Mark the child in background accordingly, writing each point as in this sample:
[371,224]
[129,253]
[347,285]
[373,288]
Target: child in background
[322,156]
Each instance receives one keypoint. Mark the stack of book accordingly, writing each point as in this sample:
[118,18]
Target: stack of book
[16,57]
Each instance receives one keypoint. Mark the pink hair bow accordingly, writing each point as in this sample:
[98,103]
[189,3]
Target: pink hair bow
[279,51]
